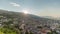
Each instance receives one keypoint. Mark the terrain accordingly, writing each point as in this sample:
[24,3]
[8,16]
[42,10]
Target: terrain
[15,20]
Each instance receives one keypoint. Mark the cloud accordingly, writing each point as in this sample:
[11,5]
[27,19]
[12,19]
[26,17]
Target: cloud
[14,4]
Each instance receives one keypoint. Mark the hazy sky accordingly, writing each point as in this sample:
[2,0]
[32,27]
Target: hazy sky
[37,7]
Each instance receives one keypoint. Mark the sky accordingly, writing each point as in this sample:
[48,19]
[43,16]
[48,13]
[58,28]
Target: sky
[36,7]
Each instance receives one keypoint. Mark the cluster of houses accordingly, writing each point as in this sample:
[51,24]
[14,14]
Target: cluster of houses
[31,27]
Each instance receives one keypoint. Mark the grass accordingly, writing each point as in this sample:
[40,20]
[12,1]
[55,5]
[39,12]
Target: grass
[7,31]
[1,32]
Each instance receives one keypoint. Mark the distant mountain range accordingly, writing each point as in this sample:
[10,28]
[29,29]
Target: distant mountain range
[50,17]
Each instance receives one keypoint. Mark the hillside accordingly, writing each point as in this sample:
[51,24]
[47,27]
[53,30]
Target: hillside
[31,21]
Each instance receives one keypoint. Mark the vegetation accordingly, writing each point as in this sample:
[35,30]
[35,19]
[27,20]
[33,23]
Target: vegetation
[7,28]
[7,31]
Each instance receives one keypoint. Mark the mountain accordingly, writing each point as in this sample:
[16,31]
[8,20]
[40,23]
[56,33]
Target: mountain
[50,17]
[31,21]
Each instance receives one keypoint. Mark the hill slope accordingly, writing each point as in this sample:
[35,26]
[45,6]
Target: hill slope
[30,21]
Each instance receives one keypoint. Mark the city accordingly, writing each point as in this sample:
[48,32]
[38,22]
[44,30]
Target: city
[28,23]
[29,16]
